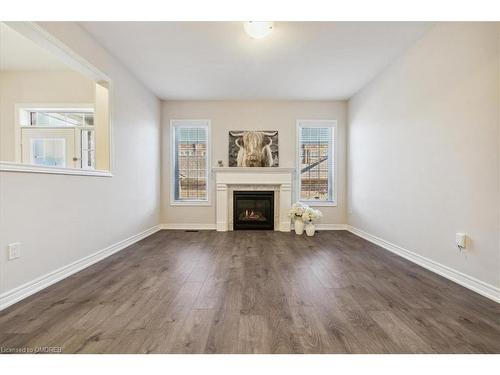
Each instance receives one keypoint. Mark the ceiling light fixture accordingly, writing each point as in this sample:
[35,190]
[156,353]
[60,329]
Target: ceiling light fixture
[258,29]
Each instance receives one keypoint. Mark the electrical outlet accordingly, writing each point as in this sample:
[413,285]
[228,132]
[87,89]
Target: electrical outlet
[14,250]
[461,240]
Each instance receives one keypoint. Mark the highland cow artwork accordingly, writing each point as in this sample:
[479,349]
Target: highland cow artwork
[257,148]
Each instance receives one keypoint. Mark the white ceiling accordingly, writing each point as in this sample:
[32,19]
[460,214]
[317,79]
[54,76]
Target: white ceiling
[217,60]
[18,53]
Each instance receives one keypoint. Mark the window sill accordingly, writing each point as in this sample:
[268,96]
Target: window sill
[320,203]
[190,203]
[25,168]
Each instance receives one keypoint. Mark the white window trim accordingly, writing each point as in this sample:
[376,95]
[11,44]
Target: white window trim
[313,124]
[192,123]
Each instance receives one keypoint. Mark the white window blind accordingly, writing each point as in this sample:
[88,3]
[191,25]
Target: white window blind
[316,161]
[190,162]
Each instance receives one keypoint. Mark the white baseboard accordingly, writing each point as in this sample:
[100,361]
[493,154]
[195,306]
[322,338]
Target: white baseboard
[188,226]
[17,294]
[331,226]
[478,286]
[283,227]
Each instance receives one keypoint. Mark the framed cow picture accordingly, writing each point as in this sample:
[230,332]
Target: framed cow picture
[253,148]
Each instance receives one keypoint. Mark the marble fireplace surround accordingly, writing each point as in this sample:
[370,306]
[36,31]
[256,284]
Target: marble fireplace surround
[230,179]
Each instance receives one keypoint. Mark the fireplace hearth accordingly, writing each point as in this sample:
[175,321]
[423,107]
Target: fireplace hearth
[253,210]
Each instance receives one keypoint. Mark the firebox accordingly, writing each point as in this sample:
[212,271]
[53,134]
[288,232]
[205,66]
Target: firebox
[253,210]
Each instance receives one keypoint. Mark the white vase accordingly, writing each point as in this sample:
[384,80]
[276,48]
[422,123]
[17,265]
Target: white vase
[310,229]
[298,225]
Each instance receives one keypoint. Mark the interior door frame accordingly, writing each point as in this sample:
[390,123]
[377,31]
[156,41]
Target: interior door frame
[20,107]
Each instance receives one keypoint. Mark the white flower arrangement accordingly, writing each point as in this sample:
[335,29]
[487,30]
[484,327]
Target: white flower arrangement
[310,214]
[297,210]
[303,211]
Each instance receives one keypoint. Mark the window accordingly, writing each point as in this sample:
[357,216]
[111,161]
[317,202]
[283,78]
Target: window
[87,148]
[48,152]
[316,162]
[59,118]
[190,161]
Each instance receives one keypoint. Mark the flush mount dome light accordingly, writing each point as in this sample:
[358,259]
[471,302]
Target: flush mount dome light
[258,29]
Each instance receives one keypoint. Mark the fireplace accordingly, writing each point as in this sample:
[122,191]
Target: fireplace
[253,210]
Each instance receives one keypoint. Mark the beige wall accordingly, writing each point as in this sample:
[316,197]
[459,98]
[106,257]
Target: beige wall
[60,219]
[101,124]
[258,115]
[35,88]
[424,150]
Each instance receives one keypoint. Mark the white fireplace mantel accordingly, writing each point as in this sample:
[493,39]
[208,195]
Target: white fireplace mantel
[277,179]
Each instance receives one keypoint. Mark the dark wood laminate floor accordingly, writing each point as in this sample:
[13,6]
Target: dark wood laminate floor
[254,292]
